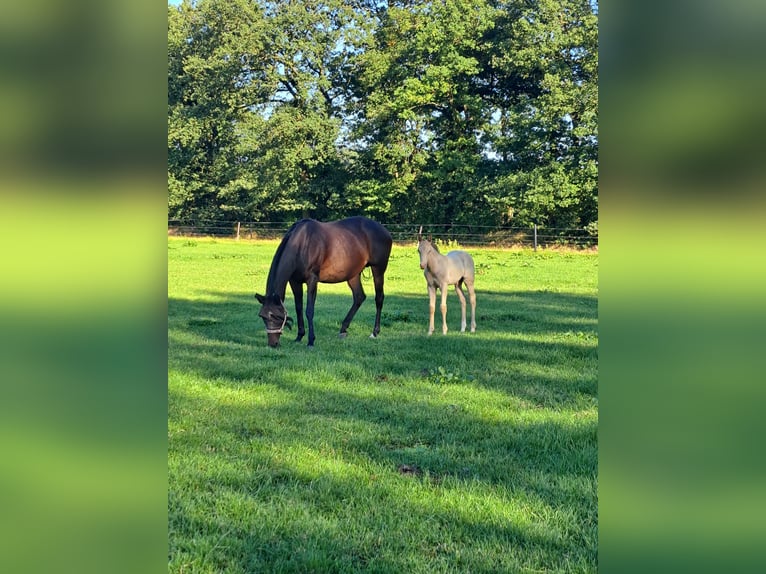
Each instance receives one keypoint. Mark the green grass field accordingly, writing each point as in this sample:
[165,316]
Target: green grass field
[407,453]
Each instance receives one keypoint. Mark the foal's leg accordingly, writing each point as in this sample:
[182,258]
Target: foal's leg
[356,288]
[444,288]
[461,296]
[297,288]
[377,277]
[472,297]
[431,308]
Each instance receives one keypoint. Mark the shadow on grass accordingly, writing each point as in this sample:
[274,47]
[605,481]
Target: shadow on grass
[524,312]
[524,342]
[316,485]
[367,460]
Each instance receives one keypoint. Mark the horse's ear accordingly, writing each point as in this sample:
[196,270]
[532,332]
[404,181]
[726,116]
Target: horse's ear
[261,298]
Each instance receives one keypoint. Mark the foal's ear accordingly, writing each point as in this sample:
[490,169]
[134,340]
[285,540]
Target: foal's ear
[261,298]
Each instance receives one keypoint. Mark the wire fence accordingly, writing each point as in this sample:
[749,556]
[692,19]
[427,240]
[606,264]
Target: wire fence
[465,235]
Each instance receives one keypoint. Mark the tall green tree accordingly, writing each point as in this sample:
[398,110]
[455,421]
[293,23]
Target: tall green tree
[418,114]
[254,96]
[215,50]
[295,135]
[449,111]
[540,76]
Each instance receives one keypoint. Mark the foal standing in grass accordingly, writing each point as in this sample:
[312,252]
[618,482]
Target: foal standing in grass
[441,271]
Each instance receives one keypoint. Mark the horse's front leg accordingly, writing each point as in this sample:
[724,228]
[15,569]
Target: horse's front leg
[444,288]
[431,308]
[297,289]
[311,297]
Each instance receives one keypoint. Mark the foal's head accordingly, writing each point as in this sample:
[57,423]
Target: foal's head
[425,248]
[274,316]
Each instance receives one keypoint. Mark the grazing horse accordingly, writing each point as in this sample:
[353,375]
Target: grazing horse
[441,271]
[313,252]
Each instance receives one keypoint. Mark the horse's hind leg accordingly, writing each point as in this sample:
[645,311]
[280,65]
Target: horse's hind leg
[472,297]
[461,296]
[377,277]
[355,283]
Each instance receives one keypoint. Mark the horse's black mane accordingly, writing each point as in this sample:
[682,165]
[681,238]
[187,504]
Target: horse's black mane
[278,257]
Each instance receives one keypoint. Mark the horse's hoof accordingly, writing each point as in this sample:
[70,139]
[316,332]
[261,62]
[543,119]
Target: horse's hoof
[342,335]
[373,336]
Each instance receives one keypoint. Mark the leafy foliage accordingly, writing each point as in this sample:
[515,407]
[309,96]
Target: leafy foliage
[442,376]
[461,111]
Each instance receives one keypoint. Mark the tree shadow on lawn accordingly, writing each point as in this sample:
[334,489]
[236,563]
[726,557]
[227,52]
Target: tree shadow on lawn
[539,346]
[402,432]
[268,462]
[294,530]
[525,312]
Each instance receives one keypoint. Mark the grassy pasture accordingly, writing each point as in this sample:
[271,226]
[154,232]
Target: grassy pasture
[457,453]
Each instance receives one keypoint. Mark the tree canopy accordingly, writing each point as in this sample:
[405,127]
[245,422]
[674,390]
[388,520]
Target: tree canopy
[447,111]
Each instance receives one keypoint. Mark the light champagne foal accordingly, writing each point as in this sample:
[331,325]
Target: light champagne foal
[440,272]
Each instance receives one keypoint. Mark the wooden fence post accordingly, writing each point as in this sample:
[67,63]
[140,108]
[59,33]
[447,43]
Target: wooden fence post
[237,230]
[535,236]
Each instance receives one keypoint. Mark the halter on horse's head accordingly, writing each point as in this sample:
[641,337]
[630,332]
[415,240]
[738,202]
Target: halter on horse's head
[274,316]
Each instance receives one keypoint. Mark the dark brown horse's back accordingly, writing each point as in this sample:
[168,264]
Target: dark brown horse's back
[336,251]
[377,237]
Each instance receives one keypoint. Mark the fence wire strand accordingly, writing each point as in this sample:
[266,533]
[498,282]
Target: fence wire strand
[467,235]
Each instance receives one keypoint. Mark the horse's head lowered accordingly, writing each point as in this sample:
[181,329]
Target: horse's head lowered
[274,316]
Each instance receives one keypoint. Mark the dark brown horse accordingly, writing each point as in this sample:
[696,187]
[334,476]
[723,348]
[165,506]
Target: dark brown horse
[313,252]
